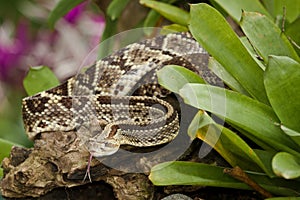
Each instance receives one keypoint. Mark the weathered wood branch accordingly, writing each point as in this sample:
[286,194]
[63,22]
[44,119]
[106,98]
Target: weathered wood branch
[59,160]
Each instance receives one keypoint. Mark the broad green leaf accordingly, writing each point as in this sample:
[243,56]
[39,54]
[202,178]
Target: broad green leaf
[11,125]
[5,148]
[5,151]
[282,82]
[173,28]
[286,165]
[39,79]
[219,70]
[252,52]
[116,8]
[293,134]
[106,45]
[61,8]
[234,7]
[191,173]
[12,129]
[174,77]
[293,33]
[213,32]
[266,37]
[151,20]
[110,29]
[265,157]
[153,17]
[253,116]
[227,143]
[275,7]
[170,12]
[263,144]
[200,120]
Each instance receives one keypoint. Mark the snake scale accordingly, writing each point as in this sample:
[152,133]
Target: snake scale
[118,100]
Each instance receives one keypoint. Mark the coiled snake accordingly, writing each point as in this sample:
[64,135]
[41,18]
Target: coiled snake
[117,100]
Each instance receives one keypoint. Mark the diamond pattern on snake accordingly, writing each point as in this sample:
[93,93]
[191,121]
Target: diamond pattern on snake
[118,100]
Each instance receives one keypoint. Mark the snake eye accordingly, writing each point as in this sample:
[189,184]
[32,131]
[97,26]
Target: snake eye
[110,145]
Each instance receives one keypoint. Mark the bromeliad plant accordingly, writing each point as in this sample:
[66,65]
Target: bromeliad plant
[263,73]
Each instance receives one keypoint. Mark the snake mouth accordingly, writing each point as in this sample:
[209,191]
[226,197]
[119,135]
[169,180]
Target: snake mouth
[102,148]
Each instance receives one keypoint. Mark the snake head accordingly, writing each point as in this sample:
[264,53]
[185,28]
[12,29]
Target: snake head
[103,147]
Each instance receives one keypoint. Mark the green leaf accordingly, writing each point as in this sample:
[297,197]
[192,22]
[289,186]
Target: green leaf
[11,125]
[227,143]
[110,29]
[275,7]
[39,79]
[266,37]
[200,120]
[250,115]
[265,157]
[173,28]
[5,148]
[221,72]
[213,32]
[252,52]
[282,82]
[191,173]
[170,12]
[107,44]
[5,151]
[286,165]
[293,134]
[174,77]
[293,33]
[12,129]
[153,17]
[234,7]
[116,8]
[263,144]
[61,8]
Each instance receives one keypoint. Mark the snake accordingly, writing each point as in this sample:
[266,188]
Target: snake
[118,100]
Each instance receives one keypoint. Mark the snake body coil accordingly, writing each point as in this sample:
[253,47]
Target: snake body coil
[116,101]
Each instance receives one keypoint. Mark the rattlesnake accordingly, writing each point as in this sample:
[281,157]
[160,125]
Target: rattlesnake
[117,100]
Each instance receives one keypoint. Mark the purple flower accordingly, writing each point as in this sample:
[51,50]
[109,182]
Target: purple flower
[73,15]
[12,49]
[99,22]
[63,49]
